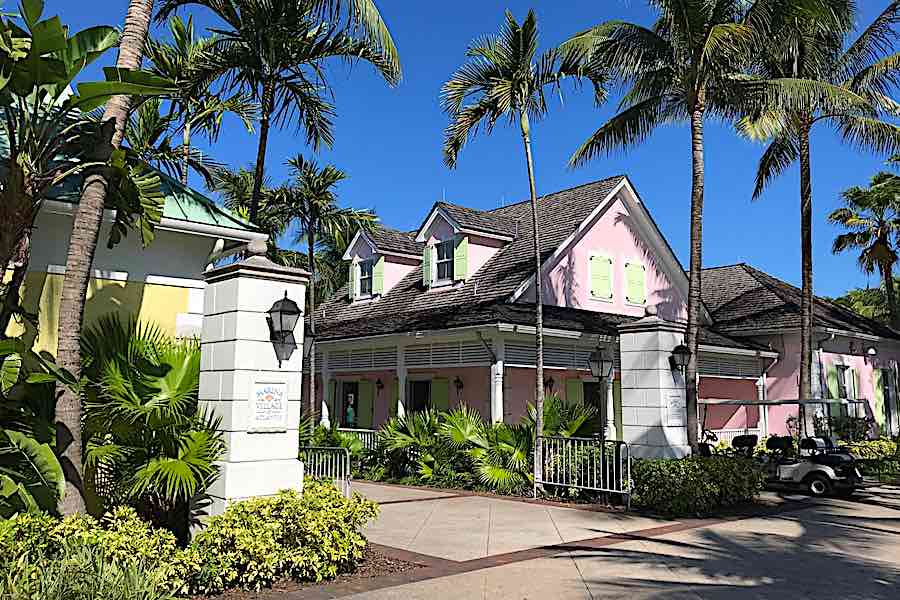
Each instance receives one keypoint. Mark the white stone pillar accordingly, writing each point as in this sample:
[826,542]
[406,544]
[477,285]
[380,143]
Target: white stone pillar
[401,380]
[497,381]
[654,416]
[325,382]
[241,381]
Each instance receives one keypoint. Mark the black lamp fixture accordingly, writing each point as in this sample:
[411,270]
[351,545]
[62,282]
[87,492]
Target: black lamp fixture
[379,385]
[681,354]
[282,319]
[549,383]
[601,364]
[459,385]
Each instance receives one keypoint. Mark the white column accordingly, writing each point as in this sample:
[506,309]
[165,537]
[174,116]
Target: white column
[401,381]
[654,415]
[610,409]
[497,381]
[241,381]
[325,382]
[763,408]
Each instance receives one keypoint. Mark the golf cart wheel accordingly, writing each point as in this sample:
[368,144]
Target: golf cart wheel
[818,485]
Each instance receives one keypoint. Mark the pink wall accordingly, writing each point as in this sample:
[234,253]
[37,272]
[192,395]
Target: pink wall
[567,280]
[476,392]
[519,389]
[729,417]
[395,269]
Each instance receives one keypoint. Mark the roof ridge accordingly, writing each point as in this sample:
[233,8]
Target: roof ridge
[729,266]
[568,189]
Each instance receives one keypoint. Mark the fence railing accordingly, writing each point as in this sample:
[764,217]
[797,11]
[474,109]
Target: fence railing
[587,463]
[366,436]
[328,463]
[727,435]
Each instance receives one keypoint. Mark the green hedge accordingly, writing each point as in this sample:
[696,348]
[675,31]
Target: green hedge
[309,538]
[695,486]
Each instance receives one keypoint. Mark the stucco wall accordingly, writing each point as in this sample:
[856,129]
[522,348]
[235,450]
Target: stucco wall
[395,269]
[481,250]
[729,417]
[613,234]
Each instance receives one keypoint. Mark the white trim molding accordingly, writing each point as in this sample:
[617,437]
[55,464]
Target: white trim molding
[95,273]
[183,282]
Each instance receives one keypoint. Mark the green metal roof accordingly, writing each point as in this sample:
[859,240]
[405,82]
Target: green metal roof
[187,204]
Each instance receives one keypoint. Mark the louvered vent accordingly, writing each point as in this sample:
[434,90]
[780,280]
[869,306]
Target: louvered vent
[559,357]
[417,356]
[339,359]
[725,365]
[384,358]
[361,358]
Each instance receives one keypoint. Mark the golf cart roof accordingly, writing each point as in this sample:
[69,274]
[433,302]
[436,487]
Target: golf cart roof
[777,402]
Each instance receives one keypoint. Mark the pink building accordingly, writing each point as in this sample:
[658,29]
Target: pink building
[444,316]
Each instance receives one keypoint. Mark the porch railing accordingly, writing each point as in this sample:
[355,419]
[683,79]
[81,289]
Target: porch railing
[328,463]
[366,436]
[587,463]
[727,435]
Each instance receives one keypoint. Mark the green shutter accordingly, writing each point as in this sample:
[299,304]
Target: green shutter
[617,408]
[440,394]
[635,283]
[831,381]
[878,382]
[395,399]
[329,399]
[601,277]
[574,391]
[426,266]
[461,258]
[378,277]
[351,282]
[366,404]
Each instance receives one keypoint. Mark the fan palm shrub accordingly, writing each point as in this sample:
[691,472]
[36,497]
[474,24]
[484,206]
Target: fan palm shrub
[148,443]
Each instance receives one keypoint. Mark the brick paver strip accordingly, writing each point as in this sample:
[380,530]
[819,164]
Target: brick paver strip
[434,567]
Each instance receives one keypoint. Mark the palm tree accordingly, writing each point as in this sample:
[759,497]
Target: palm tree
[871,217]
[274,51]
[193,107]
[505,78]
[310,202]
[82,245]
[681,69]
[850,84]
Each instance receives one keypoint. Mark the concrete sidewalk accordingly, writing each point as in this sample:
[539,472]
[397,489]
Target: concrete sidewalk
[495,548]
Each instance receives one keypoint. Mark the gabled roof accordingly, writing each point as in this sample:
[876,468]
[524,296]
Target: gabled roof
[469,219]
[743,300]
[388,241]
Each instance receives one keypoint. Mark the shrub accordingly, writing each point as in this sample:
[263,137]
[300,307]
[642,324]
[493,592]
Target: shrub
[878,449]
[695,485]
[309,538]
[85,573]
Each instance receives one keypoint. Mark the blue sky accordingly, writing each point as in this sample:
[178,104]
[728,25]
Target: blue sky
[388,140]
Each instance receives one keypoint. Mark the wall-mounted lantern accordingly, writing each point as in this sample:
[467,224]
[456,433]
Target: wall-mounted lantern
[282,319]
[548,384]
[601,364]
[379,385]
[459,385]
[680,357]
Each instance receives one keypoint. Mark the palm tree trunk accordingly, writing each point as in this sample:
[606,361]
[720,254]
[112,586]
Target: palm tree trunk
[692,338]
[887,275]
[13,289]
[264,117]
[806,271]
[82,245]
[538,304]
[185,150]
[311,292]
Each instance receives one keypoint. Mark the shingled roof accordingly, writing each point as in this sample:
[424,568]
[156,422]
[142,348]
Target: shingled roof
[392,240]
[479,220]
[743,300]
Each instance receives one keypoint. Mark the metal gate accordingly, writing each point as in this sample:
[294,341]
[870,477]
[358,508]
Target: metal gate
[328,463]
[586,463]
[368,437]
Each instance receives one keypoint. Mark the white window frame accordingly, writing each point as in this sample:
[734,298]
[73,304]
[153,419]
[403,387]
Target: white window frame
[370,264]
[625,300]
[612,277]
[437,261]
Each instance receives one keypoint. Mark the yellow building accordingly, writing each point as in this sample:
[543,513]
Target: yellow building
[161,283]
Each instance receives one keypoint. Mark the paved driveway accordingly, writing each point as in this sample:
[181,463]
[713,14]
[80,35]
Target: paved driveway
[477,547]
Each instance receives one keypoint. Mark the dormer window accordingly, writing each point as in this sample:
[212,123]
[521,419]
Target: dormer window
[444,253]
[365,278]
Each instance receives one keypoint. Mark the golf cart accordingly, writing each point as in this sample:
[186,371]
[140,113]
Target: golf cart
[817,466]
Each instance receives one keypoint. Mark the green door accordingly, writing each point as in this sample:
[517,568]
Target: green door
[366,404]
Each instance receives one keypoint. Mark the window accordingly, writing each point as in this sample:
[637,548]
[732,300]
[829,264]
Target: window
[842,381]
[444,252]
[365,278]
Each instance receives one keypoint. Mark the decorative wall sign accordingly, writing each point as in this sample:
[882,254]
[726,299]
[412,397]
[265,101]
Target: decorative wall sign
[676,409]
[268,407]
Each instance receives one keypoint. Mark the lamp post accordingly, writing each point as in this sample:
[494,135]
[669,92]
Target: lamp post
[282,319]
[601,364]
[681,354]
